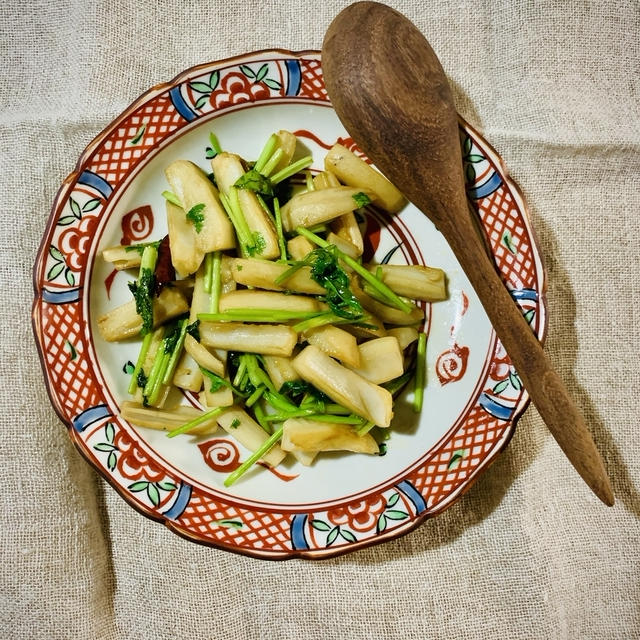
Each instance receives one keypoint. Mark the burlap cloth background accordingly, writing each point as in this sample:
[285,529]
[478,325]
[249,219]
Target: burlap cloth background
[528,552]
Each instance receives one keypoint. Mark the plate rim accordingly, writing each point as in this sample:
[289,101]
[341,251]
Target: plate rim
[314,553]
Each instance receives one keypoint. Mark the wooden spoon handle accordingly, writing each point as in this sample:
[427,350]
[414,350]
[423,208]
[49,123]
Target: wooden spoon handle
[545,387]
[393,97]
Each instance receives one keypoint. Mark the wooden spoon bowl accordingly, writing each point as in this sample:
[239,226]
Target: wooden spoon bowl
[390,92]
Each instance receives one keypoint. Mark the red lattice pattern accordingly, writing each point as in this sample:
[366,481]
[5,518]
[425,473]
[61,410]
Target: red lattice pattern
[500,214]
[117,155]
[71,378]
[312,81]
[261,531]
[479,435]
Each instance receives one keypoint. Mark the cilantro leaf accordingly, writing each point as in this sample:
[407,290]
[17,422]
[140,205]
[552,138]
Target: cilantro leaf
[196,217]
[143,295]
[254,181]
[361,199]
[193,330]
[326,271]
[258,245]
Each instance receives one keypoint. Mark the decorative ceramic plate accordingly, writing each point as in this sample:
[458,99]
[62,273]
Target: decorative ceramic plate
[342,502]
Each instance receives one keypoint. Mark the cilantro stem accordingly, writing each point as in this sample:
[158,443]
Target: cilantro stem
[195,422]
[293,168]
[266,153]
[156,387]
[391,297]
[155,372]
[258,411]
[176,353]
[216,281]
[281,417]
[330,417]
[144,349]
[208,272]
[365,428]
[285,275]
[279,402]
[258,315]
[268,168]
[172,197]
[319,320]
[255,396]
[231,205]
[421,357]
[215,144]
[281,241]
[240,373]
[265,207]
[253,458]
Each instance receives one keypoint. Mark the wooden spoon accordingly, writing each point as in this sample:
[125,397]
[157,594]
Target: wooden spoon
[390,92]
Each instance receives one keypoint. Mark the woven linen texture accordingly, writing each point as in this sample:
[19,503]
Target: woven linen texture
[528,552]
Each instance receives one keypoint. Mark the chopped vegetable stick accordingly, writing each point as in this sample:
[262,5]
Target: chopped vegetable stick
[344,386]
[298,247]
[270,339]
[355,172]
[193,188]
[267,151]
[372,327]
[387,314]
[346,227]
[287,143]
[335,342]
[222,397]
[300,434]
[249,434]
[188,375]
[227,169]
[280,370]
[122,257]
[123,322]
[185,257]
[413,281]
[262,274]
[203,356]
[304,457]
[404,335]
[164,419]
[314,207]
[254,299]
[326,179]
[381,360]
[344,245]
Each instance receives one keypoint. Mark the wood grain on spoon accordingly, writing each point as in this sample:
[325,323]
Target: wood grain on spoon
[390,92]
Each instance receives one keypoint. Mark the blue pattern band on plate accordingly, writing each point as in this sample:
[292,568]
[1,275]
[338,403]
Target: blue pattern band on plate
[180,503]
[93,180]
[61,297]
[495,408]
[485,189]
[89,416]
[413,494]
[181,105]
[298,539]
[524,294]
[294,77]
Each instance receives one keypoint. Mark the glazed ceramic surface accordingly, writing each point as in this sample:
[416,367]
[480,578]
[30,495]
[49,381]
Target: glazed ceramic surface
[344,501]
